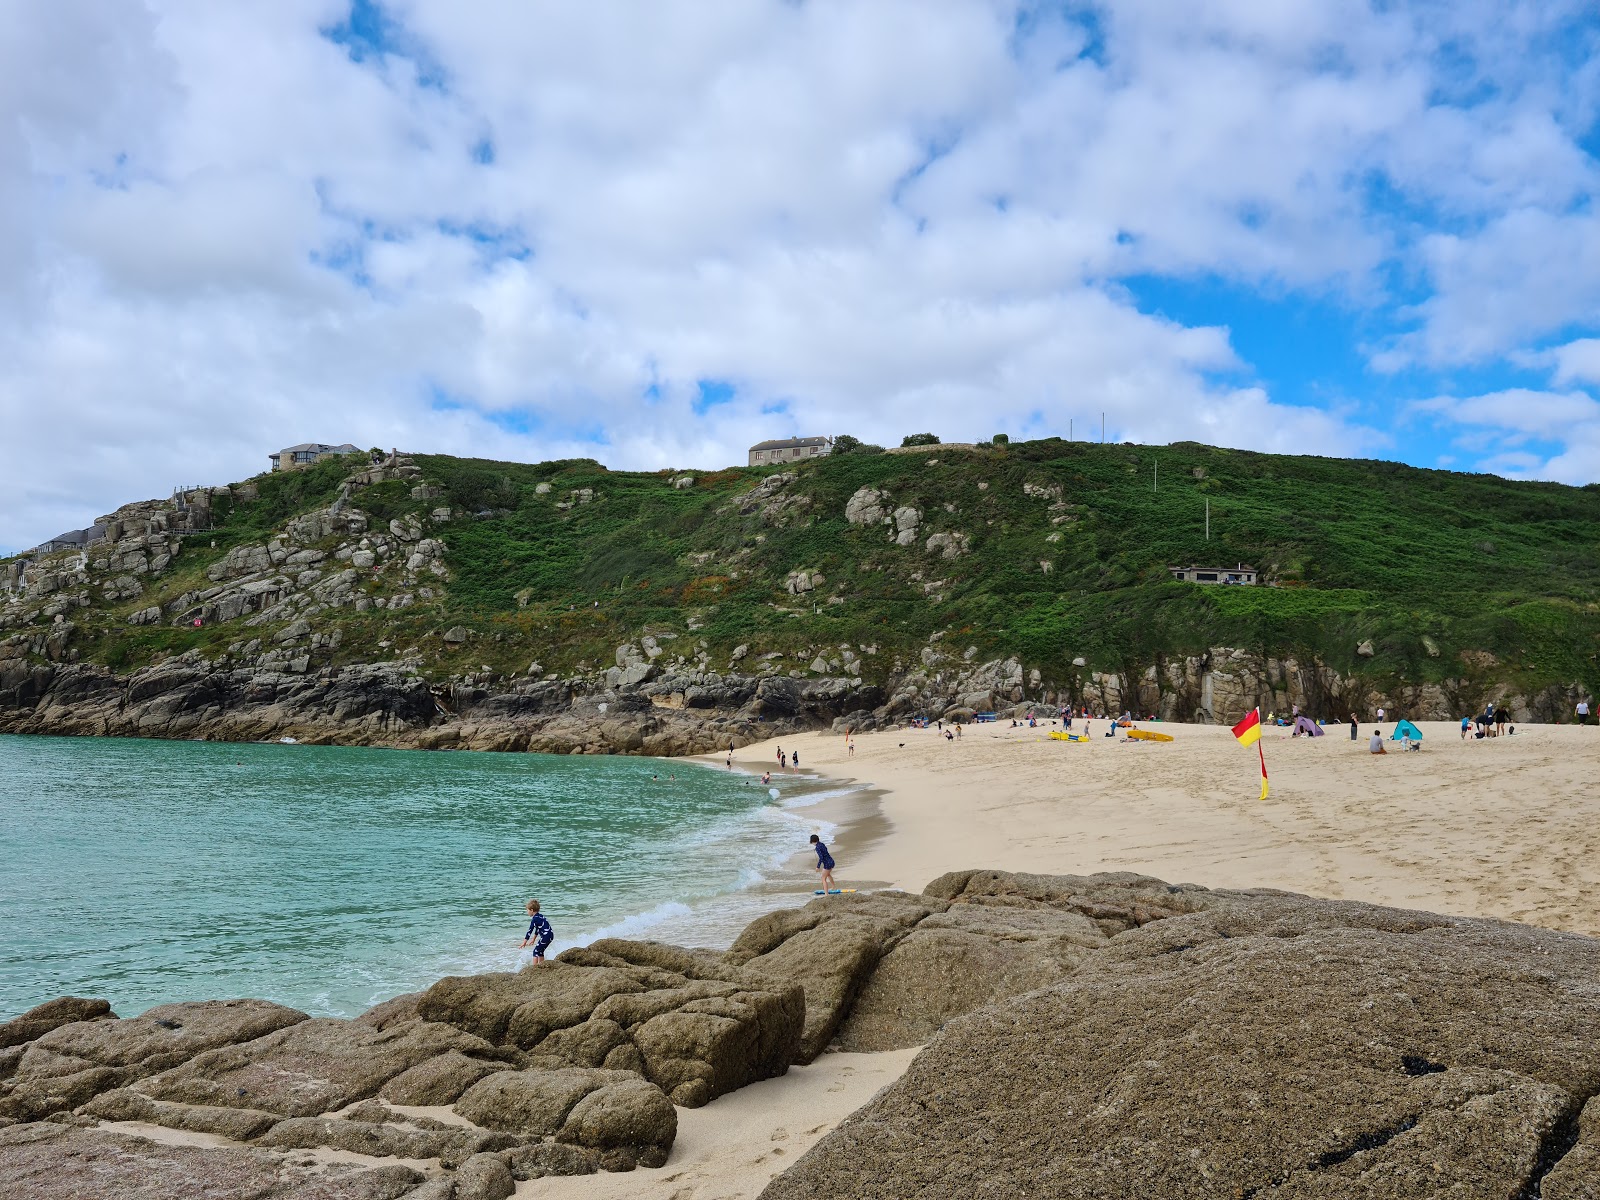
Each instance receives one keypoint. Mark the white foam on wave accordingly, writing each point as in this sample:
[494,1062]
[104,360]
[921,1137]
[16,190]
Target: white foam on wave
[636,923]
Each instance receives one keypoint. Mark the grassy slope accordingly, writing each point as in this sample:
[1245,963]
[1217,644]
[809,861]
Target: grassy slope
[1366,550]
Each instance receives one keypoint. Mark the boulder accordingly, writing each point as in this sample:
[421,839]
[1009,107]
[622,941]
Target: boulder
[543,1159]
[829,948]
[535,1103]
[386,1139]
[49,1161]
[865,507]
[52,1014]
[541,998]
[484,1177]
[961,960]
[688,1021]
[629,1115]
[125,1104]
[1270,1044]
[1576,1174]
[309,1068]
[67,1066]
[438,1080]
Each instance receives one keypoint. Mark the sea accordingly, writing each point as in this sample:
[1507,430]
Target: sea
[332,878]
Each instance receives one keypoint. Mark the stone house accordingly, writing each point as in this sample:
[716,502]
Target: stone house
[73,539]
[1238,574]
[292,458]
[789,450]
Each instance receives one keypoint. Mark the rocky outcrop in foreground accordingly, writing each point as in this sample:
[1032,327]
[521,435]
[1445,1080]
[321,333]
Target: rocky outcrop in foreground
[1103,1036]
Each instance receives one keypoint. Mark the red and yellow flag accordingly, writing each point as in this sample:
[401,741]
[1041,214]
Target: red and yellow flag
[1248,731]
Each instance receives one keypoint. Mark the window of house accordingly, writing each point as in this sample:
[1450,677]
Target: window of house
[1206,576]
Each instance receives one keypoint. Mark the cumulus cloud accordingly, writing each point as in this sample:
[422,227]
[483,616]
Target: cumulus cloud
[654,234]
[1527,433]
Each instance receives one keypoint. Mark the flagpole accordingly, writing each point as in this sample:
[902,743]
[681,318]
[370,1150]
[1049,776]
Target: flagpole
[1263,754]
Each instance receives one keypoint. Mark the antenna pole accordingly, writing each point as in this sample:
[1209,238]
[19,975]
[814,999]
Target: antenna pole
[1102,427]
[1208,519]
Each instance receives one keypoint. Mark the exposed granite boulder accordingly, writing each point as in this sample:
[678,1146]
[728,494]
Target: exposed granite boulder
[535,1103]
[309,1068]
[630,1115]
[961,960]
[1576,1174]
[1269,1045]
[619,1116]
[52,1014]
[125,1104]
[541,998]
[830,948]
[387,1139]
[484,1177]
[72,1063]
[438,1080]
[49,1161]
[687,1021]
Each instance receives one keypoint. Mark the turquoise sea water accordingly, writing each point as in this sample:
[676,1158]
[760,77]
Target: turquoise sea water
[329,878]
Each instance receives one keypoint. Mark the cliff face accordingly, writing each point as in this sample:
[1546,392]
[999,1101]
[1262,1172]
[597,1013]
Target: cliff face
[560,607]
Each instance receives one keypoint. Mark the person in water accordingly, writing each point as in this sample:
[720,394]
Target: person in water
[539,932]
[824,862]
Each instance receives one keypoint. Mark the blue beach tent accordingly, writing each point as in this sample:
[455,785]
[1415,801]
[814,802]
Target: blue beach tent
[1404,728]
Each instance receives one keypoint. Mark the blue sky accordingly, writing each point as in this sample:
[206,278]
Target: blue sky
[654,235]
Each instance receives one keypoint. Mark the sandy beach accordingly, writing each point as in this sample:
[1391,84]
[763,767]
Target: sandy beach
[1506,827]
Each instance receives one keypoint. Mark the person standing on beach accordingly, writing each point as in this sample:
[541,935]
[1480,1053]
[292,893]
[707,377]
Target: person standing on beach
[1583,712]
[824,863]
[1353,727]
[539,932]
[795,759]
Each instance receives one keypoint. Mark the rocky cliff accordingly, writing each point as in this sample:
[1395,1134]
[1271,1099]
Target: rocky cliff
[1110,1035]
[679,613]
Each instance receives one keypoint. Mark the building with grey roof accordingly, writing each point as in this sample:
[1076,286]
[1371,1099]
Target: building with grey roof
[789,450]
[292,458]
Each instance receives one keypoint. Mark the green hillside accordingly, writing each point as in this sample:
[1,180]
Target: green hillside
[1063,555]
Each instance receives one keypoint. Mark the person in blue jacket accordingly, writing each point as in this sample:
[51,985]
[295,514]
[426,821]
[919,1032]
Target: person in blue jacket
[539,932]
[824,862]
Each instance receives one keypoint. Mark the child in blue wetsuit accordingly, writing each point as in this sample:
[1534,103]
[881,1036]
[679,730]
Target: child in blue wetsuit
[539,932]
[824,863]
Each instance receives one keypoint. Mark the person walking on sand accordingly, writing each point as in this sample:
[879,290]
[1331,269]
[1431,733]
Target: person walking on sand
[539,932]
[1583,712]
[824,863]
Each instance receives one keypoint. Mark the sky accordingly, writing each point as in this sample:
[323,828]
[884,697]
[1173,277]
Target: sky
[652,234]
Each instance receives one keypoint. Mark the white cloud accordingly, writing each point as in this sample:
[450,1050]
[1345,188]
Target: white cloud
[1513,429]
[220,233]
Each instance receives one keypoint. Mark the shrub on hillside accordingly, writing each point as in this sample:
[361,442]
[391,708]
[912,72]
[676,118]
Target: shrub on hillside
[920,439]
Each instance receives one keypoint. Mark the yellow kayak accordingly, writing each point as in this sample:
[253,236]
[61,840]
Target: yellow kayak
[1068,737]
[1148,735]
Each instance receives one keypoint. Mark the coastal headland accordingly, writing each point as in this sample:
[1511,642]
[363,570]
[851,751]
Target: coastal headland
[1378,982]
[442,603]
